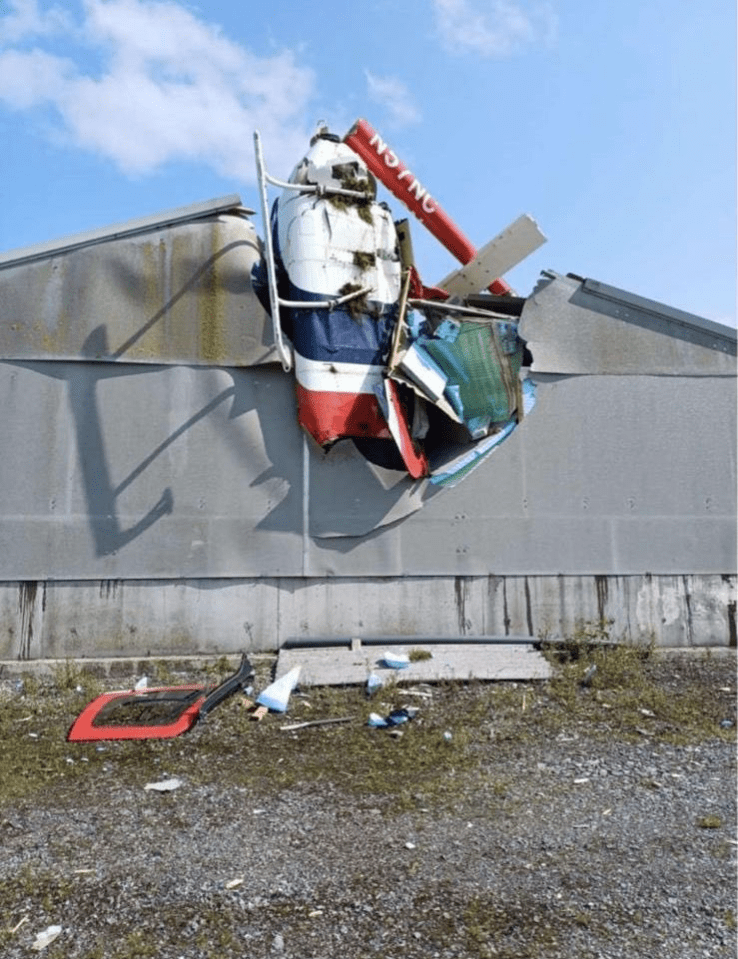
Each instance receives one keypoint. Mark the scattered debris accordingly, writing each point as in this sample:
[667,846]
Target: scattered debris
[396,718]
[317,722]
[426,693]
[258,713]
[234,883]
[338,662]
[276,696]
[143,683]
[394,660]
[157,713]
[18,924]
[164,785]
[45,938]
[589,675]
[278,943]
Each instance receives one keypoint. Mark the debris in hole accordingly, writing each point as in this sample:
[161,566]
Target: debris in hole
[421,378]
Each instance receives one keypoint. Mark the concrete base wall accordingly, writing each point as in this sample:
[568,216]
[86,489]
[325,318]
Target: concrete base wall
[83,619]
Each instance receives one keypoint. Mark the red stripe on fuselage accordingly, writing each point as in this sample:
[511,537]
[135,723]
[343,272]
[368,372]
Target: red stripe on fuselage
[330,416]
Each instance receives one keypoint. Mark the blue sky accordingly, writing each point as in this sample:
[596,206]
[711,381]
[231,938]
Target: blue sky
[614,125]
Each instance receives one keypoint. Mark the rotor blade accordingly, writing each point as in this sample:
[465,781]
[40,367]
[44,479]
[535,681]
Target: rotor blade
[506,250]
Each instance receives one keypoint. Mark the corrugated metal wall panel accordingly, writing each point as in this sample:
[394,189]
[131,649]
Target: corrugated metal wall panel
[583,326]
[179,294]
[157,472]
[157,495]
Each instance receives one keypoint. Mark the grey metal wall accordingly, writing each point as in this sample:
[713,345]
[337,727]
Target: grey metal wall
[168,617]
[133,472]
[149,442]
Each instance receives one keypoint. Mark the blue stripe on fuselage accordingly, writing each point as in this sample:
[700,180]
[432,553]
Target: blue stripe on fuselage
[333,335]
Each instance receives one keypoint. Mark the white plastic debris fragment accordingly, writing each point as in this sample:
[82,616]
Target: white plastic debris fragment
[422,693]
[165,785]
[315,722]
[409,845]
[396,660]
[45,938]
[589,675]
[278,943]
[234,883]
[277,695]
[373,683]
[142,683]
[448,735]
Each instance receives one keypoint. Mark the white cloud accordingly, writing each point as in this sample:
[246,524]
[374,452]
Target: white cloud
[392,94]
[171,87]
[493,28]
[22,18]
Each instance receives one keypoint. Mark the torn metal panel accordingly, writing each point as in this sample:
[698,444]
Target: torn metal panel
[349,496]
[572,325]
[175,292]
[365,369]
[218,482]
[599,459]
[335,666]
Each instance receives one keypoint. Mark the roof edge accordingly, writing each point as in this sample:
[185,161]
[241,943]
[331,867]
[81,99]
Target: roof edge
[67,244]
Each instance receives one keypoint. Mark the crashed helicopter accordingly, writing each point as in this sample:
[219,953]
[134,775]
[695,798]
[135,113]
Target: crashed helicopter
[426,380]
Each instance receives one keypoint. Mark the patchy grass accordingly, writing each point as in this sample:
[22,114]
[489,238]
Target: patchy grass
[419,655]
[630,691]
[487,926]
[709,822]
[439,755]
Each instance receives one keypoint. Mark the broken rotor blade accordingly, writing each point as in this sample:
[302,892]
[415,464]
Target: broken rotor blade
[506,250]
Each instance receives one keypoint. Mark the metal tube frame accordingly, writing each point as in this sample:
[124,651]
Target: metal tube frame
[285,351]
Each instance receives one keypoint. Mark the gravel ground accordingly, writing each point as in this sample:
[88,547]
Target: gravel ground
[550,822]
